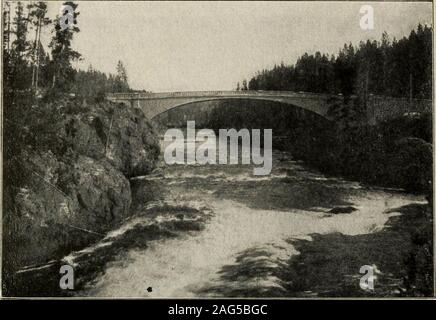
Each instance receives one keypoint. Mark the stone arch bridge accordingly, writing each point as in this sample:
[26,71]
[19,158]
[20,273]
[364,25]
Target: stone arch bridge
[378,108]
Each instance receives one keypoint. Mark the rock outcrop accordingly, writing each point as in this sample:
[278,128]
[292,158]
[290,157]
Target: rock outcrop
[119,134]
[73,181]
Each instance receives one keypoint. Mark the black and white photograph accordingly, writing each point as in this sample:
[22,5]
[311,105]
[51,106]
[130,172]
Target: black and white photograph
[214,149]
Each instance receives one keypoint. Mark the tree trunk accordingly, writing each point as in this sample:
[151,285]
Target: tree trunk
[410,88]
[37,54]
[35,44]
[9,26]
[25,32]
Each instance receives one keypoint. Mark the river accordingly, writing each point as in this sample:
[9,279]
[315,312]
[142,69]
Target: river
[218,230]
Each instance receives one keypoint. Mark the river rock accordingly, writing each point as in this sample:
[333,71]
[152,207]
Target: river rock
[102,192]
[337,210]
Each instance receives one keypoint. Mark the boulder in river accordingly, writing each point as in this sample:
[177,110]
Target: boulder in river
[338,210]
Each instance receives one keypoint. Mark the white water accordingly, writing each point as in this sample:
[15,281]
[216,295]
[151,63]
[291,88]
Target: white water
[190,264]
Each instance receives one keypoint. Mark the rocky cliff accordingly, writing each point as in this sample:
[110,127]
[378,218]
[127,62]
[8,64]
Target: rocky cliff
[67,166]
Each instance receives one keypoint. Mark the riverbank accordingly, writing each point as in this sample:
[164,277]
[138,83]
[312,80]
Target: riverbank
[396,154]
[328,264]
[67,165]
[400,253]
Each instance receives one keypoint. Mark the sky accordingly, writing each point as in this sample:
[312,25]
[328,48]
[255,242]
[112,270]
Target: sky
[187,46]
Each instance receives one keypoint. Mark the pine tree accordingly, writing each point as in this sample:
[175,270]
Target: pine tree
[62,53]
[20,44]
[244,85]
[121,81]
[6,26]
[7,67]
[38,19]
[19,50]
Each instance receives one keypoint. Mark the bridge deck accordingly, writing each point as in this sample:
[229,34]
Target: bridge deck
[378,108]
[185,94]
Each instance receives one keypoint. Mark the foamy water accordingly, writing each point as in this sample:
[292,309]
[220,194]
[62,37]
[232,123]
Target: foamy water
[247,214]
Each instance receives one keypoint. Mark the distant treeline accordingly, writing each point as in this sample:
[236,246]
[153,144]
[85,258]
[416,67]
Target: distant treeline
[30,67]
[398,68]
[95,83]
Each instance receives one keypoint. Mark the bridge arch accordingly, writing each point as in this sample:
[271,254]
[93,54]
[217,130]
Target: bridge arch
[237,99]
[154,104]
[378,108]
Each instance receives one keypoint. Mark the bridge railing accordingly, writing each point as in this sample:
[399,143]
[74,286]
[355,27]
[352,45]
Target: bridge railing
[149,95]
[374,100]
